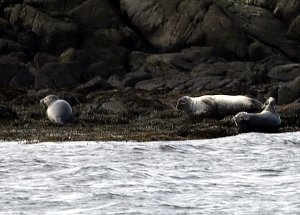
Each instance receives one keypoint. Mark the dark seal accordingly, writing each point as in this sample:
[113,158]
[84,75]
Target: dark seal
[266,121]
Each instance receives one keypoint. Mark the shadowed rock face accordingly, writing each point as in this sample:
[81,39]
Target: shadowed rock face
[171,25]
[249,46]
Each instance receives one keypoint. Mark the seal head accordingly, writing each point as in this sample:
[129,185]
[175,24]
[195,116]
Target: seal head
[58,111]
[184,103]
[48,100]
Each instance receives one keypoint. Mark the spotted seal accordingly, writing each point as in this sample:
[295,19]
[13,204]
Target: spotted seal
[266,121]
[218,105]
[58,111]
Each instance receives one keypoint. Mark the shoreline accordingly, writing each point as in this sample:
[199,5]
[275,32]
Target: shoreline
[114,115]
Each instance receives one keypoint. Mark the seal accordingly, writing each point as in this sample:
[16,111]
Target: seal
[218,106]
[58,111]
[266,121]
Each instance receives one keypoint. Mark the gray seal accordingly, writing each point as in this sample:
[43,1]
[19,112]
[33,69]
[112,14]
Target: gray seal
[266,121]
[218,106]
[58,111]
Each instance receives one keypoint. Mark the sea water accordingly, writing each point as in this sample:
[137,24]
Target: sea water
[245,174]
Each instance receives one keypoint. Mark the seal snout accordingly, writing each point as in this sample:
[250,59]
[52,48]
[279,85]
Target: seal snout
[182,103]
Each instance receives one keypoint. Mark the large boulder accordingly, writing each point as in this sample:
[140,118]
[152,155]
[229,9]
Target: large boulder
[171,25]
[286,72]
[289,92]
[262,25]
[94,84]
[57,75]
[294,29]
[14,73]
[55,5]
[54,34]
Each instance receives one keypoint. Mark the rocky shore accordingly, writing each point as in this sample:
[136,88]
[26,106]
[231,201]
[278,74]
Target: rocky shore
[116,115]
[123,64]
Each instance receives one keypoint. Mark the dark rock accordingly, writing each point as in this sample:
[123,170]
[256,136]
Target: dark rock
[102,70]
[206,83]
[258,51]
[28,39]
[7,46]
[54,34]
[220,32]
[136,60]
[294,29]
[40,59]
[262,26]
[168,64]
[286,10]
[55,5]
[7,113]
[134,77]
[197,23]
[286,72]
[178,81]
[155,20]
[7,72]
[56,75]
[292,109]
[289,92]
[22,79]
[151,84]
[22,57]
[95,14]
[94,84]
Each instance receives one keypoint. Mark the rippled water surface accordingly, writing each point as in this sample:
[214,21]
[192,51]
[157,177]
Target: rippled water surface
[245,174]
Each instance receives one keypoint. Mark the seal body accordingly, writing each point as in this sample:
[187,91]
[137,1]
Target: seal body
[266,121]
[218,105]
[58,111]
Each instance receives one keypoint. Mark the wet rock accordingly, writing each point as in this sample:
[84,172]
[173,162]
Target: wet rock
[22,79]
[294,29]
[286,72]
[102,70]
[197,23]
[286,10]
[206,83]
[7,72]
[134,77]
[8,46]
[55,5]
[261,25]
[94,84]
[56,75]
[54,34]
[151,84]
[292,109]
[95,14]
[154,20]
[289,92]
[28,39]
[40,59]
[258,51]
[220,32]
